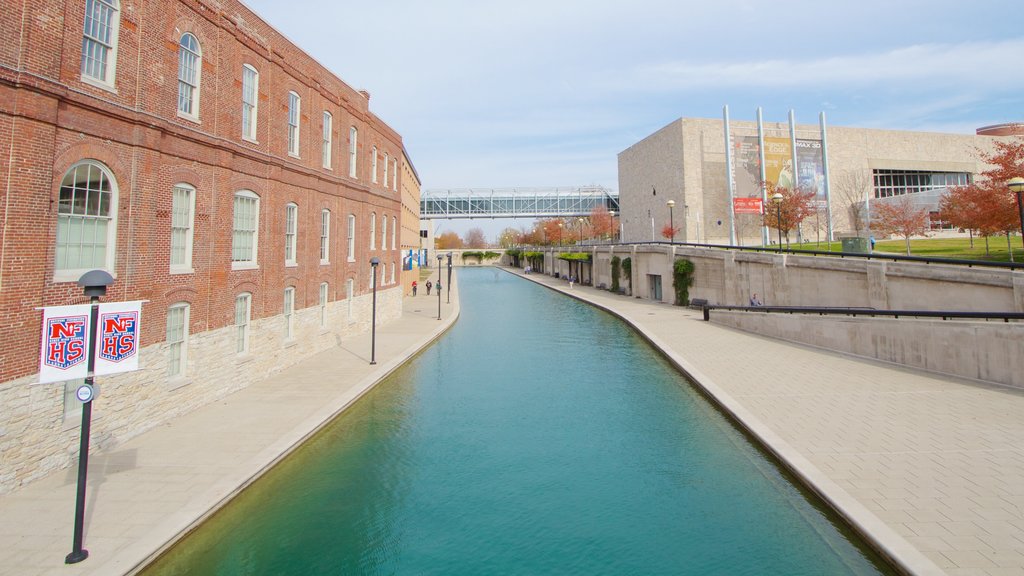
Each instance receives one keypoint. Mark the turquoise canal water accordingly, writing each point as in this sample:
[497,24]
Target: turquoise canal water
[538,436]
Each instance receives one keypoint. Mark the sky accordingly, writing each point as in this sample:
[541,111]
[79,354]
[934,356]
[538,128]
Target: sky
[530,93]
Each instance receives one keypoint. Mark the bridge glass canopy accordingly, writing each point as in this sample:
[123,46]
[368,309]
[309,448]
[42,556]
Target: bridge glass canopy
[516,202]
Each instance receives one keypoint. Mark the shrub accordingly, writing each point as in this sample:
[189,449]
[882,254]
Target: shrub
[616,264]
[682,279]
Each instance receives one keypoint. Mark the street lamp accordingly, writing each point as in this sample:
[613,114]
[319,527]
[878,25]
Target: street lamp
[777,200]
[559,233]
[449,278]
[671,222]
[611,223]
[374,262]
[440,257]
[94,283]
[580,220]
[1016,185]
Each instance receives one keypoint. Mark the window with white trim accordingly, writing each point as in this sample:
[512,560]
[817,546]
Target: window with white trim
[351,238]
[394,230]
[291,226]
[294,113]
[183,204]
[289,312]
[322,302]
[86,221]
[394,177]
[373,231]
[243,315]
[373,165]
[99,41]
[245,229]
[325,151]
[387,163]
[353,138]
[325,236]
[383,232]
[189,73]
[250,101]
[350,290]
[392,272]
[177,339]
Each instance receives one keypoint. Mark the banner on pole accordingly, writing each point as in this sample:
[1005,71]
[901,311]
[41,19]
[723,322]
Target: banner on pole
[63,352]
[747,206]
[117,337]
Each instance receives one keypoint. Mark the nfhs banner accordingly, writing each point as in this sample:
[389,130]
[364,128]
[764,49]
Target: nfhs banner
[65,340]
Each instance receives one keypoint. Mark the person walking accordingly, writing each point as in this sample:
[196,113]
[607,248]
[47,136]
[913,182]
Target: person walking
[429,286]
[438,285]
[413,287]
[755,301]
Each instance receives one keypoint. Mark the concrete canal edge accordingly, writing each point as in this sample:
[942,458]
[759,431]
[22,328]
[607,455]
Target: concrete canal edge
[901,555]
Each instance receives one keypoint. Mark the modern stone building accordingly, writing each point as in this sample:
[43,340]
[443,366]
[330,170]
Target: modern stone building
[686,162]
[217,171]
[410,223]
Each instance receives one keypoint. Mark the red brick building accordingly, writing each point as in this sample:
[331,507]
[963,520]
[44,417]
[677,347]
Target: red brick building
[211,166]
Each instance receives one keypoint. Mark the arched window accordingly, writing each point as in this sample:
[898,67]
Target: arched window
[325,151]
[387,163]
[189,72]
[250,91]
[322,302]
[394,230]
[383,232]
[243,314]
[245,229]
[351,257]
[373,165]
[177,339]
[325,236]
[353,140]
[183,204]
[86,220]
[373,231]
[291,232]
[294,111]
[99,42]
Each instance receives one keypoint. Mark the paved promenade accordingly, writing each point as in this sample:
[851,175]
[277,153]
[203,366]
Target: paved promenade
[931,467]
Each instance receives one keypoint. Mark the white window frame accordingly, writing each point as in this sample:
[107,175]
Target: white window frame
[394,231]
[190,74]
[294,122]
[325,151]
[250,101]
[73,213]
[383,231]
[177,340]
[291,233]
[243,322]
[392,273]
[322,302]
[245,227]
[99,43]
[183,213]
[350,291]
[325,236]
[373,231]
[351,238]
[373,165]
[387,162]
[394,177]
[353,140]
[289,313]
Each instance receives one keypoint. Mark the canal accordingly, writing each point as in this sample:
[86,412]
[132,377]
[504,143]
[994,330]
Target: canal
[538,436]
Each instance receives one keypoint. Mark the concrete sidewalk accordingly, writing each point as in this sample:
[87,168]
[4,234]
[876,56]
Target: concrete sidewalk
[930,468]
[149,490]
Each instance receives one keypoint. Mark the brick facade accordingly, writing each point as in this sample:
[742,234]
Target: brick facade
[52,117]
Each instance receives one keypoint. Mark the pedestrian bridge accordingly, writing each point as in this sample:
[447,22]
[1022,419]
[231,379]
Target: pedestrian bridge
[515,202]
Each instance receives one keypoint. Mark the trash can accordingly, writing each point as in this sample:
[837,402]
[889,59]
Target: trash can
[856,245]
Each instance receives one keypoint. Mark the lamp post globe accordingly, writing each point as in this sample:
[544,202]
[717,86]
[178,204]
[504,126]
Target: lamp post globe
[374,262]
[1016,185]
[440,257]
[671,223]
[777,200]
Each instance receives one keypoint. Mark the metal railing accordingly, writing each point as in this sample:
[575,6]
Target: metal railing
[854,312]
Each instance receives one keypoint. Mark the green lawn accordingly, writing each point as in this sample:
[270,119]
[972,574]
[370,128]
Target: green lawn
[939,248]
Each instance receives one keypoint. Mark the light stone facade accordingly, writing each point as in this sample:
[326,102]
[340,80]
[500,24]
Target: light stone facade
[685,162]
[40,435]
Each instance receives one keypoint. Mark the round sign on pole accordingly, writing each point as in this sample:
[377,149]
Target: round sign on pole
[84,393]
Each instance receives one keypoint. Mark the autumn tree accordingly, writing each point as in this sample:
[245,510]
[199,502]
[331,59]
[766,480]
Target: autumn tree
[475,238]
[553,230]
[902,218]
[669,232]
[509,237]
[996,207]
[959,208]
[448,240]
[602,223]
[788,213]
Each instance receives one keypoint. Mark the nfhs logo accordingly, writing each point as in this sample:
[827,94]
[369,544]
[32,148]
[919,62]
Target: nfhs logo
[118,335]
[65,341]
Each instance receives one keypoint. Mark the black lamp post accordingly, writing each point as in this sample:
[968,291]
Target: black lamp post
[559,234]
[449,278]
[1016,185]
[671,224]
[777,200]
[95,284]
[439,258]
[374,262]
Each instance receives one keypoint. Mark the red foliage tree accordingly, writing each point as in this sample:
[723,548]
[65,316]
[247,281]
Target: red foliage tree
[669,232]
[448,240]
[602,223]
[901,218]
[794,208]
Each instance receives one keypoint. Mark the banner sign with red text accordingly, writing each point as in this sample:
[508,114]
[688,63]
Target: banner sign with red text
[746,206]
[64,347]
[117,337]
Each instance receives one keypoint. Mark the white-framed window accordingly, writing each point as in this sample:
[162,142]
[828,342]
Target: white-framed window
[243,314]
[353,141]
[394,231]
[392,273]
[325,236]
[325,150]
[99,42]
[373,231]
[183,207]
[72,405]
[351,238]
[394,177]
[190,67]
[291,229]
[245,229]
[373,165]
[387,163]
[289,312]
[294,113]
[350,291]
[322,302]
[383,232]
[177,339]
[250,101]
[86,221]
